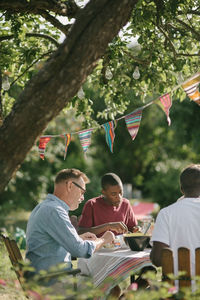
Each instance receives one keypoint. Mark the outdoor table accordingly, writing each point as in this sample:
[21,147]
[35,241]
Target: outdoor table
[108,267]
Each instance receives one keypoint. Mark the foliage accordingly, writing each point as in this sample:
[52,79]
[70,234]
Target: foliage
[166,54]
[151,163]
[154,160]
[181,148]
[10,288]
[25,44]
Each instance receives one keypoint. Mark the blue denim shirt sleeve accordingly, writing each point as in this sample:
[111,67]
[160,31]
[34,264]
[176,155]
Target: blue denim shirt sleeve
[51,238]
[61,230]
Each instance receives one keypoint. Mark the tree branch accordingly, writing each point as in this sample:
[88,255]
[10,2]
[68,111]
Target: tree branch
[168,39]
[45,36]
[33,63]
[68,8]
[187,54]
[180,29]
[189,27]
[172,46]
[140,61]
[1,108]
[55,22]
[191,12]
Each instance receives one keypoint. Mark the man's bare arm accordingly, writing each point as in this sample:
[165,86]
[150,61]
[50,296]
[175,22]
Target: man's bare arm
[119,227]
[156,252]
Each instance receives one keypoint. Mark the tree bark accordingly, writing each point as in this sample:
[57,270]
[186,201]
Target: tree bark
[67,8]
[59,80]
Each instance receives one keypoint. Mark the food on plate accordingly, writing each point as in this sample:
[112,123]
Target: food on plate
[135,234]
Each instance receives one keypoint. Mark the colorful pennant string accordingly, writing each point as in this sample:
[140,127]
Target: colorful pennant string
[166,104]
[85,138]
[42,145]
[191,88]
[67,138]
[110,134]
[133,122]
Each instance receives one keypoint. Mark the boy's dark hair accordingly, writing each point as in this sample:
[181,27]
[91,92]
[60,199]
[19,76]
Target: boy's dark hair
[66,174]
[110,179]
[190,180]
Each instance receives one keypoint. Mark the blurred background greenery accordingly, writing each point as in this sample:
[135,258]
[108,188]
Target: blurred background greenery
[151,163]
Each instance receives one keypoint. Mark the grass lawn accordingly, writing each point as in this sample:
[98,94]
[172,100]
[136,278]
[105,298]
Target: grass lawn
[10,289]
[14,219]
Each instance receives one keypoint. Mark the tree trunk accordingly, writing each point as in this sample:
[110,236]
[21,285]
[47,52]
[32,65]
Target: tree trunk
[48,92]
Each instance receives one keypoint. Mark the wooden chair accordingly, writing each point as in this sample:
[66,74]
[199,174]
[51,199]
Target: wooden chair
[17,262]
[183,265]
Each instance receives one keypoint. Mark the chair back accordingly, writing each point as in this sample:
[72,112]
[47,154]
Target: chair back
[167,263]
[14,255]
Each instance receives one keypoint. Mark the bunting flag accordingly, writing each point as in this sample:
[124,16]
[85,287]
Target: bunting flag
[191,87]
[67,138]
[166,104]
[42,145]
[110,134]
[85,138]
[133,122]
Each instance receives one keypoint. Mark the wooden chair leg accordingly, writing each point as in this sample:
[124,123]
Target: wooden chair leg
[75,283]
[132,278]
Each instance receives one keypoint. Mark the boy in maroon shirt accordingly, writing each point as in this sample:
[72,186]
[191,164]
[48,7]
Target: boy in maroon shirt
[110,211]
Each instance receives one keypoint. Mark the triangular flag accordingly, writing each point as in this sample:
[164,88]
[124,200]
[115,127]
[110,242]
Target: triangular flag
[191,87]
[67,138]
[133,122]
[110,134]
[166,104]
[85,138]
[42,145]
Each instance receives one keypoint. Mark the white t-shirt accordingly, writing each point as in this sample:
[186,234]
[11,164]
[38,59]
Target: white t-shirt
[178,225]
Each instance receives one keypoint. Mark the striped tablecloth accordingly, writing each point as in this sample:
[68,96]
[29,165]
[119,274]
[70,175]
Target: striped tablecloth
[109,267]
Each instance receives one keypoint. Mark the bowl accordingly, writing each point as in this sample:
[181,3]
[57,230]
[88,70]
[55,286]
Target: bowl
[137,241]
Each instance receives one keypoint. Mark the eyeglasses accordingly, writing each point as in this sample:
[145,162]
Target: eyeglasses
[80,187]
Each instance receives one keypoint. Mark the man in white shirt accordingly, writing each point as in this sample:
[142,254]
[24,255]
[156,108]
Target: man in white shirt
[178,224]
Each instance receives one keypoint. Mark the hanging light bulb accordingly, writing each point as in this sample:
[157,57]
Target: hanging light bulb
[136,73]
[108,74]
[81,93]
[5,83]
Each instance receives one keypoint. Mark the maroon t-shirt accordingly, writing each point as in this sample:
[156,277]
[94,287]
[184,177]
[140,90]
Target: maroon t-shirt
[97,212]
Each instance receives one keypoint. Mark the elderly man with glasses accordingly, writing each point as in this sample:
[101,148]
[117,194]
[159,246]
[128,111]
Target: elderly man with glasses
[51,237]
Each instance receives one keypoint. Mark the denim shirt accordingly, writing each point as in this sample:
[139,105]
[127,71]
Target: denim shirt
[51,238]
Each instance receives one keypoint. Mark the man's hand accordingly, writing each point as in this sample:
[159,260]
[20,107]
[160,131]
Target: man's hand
[118,227]
[108,237]
[88,236]
[136,229]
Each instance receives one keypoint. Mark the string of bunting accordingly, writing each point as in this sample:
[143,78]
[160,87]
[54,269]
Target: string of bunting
[132,120]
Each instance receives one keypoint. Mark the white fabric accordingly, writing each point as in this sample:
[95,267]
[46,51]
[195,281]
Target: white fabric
[178,225]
